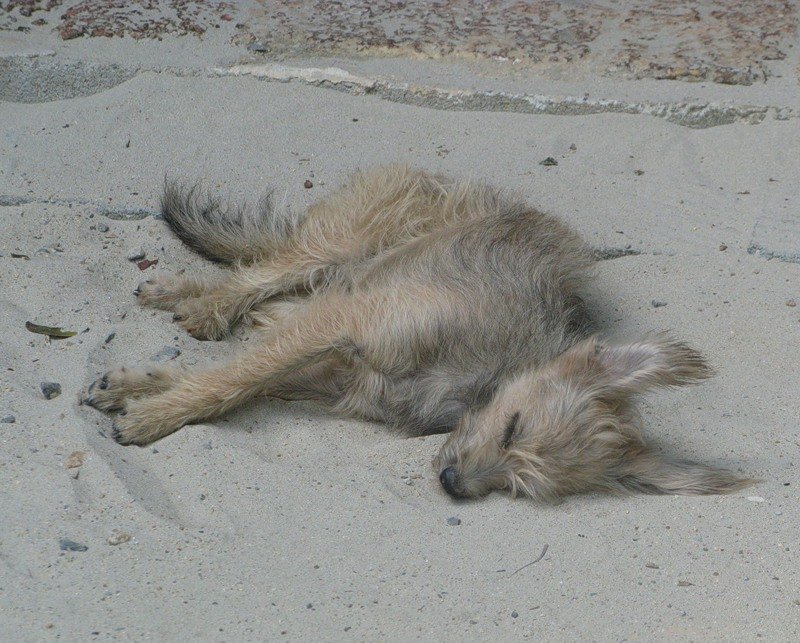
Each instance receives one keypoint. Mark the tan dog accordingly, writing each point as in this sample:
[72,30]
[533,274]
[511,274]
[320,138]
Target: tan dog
[428,304]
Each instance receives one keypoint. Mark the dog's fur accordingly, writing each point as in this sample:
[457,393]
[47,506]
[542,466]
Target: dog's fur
[428,304]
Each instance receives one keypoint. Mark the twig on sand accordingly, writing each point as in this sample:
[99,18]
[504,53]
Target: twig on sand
[544,551]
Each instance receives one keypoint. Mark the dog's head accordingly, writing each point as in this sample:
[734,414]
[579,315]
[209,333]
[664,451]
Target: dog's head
[571,426]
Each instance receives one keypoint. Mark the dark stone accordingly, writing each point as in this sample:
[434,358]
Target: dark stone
[50,390]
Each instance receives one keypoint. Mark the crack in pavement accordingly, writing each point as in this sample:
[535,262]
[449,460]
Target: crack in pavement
[115,213]
[607,253]
[599,253]
[766,253]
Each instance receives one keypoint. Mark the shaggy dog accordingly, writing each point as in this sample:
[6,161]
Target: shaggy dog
[431,305]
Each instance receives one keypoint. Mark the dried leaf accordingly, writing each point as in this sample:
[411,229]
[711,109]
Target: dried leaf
[19,255]
[53,332]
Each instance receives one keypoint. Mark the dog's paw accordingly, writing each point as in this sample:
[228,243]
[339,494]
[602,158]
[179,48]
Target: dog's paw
[139,425]
[110,392]
[107,393]
[200,320]
[162,291]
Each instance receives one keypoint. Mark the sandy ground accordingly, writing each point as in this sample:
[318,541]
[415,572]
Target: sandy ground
[281,522]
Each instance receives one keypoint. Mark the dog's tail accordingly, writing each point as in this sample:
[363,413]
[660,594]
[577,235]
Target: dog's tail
[221,232]
[650,473]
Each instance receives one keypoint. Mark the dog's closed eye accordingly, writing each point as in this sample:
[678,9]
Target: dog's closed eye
[511,428]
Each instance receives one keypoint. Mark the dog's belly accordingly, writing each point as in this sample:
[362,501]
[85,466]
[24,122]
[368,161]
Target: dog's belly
[432,400]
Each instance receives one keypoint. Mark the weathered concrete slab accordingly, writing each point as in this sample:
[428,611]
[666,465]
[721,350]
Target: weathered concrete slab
[115,18]
[721,41]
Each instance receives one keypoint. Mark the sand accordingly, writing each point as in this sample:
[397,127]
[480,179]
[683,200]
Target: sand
[281,522]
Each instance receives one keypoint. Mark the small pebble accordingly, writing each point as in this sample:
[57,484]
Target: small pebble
[791,303]
[70,545]
[118,537]
[651,566]
[8,419]
[656,303]
[638,172]
[109,337]
[136,255]
[549,161]
[755,498]
[75,459]
[50,389]
[308,184]
[514,614]
[453,521]
[723,247]
[144,264]
[165,354]
[102,227]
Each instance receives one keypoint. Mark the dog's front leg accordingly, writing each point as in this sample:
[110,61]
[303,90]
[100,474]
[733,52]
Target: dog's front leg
[203,395]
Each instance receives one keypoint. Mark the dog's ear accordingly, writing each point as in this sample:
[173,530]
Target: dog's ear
[645,472]
[628,369]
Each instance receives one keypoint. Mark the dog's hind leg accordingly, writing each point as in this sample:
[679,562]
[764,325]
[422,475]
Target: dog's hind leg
[270,314]
[166,291]
[374,212]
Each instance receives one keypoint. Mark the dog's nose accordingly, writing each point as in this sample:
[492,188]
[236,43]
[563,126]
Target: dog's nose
[448,478]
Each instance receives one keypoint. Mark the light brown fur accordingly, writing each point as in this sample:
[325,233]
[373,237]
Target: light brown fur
[431,305]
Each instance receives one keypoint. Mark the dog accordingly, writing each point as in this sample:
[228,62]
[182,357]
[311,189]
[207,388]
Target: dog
[431,305]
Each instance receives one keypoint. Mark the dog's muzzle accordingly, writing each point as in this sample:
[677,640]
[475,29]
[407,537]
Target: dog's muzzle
[449,479]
